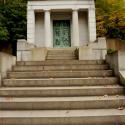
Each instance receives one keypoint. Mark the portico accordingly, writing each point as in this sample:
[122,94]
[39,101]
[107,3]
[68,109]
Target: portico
[62,23]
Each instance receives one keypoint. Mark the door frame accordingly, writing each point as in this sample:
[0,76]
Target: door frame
[70,22]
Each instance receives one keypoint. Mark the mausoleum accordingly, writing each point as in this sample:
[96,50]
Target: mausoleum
[61,24]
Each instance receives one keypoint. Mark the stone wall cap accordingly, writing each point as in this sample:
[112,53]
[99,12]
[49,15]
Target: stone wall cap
[21,40]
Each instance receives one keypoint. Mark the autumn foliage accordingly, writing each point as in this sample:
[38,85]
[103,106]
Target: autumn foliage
[110,18]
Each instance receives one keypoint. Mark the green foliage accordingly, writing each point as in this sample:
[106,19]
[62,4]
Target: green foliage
[111,51]
[13,21]
[3,34]
[111,18]
[3,30]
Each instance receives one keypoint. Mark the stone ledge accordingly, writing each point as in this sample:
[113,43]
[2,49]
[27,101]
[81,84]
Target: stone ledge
[122,77]
[93,50]
[116,61]
[22,45]
[6,63]
[29,52]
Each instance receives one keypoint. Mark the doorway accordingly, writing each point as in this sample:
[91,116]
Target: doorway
[61,34]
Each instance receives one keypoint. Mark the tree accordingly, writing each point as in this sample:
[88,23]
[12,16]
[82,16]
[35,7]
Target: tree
[111,18]
[13,22]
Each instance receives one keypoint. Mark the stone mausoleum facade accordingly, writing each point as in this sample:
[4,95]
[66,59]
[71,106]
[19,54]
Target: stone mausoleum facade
[61,23]
[55,24]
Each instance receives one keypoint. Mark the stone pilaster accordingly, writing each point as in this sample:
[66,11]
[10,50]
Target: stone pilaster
[92,24]
[47,26]
[75,27]
[31,26]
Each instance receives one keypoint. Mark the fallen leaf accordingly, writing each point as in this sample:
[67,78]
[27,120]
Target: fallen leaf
[105,95]
[50,78]
[120,108]
[67,111]
[8,98]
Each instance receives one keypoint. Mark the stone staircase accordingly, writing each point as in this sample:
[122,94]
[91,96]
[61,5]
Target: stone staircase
[63,54]
[62,91]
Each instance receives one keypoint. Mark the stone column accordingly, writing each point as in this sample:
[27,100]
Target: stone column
[47,28]
[75,28]
[31,26]
[92,24]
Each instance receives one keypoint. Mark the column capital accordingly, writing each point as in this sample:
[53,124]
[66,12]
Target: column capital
[75,9]
[47,10]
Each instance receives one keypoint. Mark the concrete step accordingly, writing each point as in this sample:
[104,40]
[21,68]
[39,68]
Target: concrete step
[61,57]
[63,117]
[56,51]
[60,54]
[62,67]
[61,91]
[60,82]
[60,74]
[61,51]
[56,55]
[61,103]
[61,62]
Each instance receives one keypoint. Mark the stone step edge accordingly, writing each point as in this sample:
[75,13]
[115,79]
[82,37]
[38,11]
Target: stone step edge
[79,71]
[63,99]
[54,79]
[62,88]
[61,113]
[60,82]
[57,62]
[62,103]
[60,74]
[76,61]
[62,66]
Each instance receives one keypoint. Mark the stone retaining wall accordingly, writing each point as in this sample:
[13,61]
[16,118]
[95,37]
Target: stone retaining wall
[6,63]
